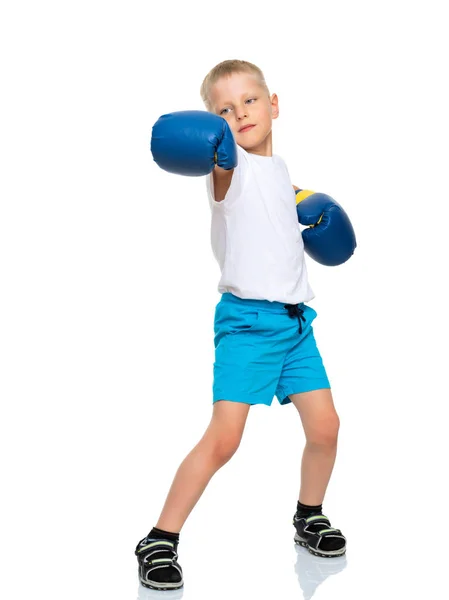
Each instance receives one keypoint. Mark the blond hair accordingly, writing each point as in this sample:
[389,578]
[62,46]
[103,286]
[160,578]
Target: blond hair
[224,69]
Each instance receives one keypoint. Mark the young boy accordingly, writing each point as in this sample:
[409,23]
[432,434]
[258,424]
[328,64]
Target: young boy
[264,342]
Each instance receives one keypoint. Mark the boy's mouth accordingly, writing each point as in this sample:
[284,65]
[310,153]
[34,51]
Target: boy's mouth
[246,128]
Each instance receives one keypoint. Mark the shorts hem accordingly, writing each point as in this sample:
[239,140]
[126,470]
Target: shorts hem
[242,399]
[311,386]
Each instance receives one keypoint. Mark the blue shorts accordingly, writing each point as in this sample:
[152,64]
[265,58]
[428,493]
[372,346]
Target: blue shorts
[264,349]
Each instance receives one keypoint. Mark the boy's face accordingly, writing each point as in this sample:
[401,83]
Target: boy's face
[242,101]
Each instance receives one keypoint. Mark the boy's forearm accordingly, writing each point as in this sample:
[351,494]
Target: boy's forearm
[222,180]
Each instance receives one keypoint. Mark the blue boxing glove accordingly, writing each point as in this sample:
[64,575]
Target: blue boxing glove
[192,142]
[330,237]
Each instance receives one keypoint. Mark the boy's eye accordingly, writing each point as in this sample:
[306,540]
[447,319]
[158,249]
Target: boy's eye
[250,100]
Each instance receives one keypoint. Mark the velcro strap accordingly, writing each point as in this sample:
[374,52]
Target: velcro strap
[317,518]
[163,544]
[161,560]
[329,531]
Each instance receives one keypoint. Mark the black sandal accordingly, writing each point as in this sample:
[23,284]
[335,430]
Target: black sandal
[316,534]
[158,567]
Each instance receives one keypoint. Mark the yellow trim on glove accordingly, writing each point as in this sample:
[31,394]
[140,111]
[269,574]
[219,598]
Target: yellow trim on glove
[302,195]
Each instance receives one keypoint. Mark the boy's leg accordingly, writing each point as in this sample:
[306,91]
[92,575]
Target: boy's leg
[321,425]
[216,447]
[157,552]
[304,382]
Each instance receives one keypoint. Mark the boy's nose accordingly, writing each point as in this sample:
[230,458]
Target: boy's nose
[241,114]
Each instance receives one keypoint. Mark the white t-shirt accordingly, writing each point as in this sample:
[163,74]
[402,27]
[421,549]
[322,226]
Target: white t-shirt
[255,233]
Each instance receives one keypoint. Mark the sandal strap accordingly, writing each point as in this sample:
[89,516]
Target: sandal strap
[316,538]
[156,544]
[330,532]
[153,567]
[318,519]
[322,520]
[157,561]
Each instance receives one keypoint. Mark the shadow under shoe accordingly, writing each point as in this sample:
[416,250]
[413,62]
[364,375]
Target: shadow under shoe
[158,566]
[312,570]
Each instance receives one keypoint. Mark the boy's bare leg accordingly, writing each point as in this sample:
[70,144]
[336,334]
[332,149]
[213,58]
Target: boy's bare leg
[321,426]
[216,447]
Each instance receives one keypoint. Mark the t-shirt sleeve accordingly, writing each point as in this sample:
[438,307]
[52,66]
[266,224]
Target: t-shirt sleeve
[237,182]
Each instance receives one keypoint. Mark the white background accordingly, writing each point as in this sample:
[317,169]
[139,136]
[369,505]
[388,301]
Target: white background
[108,291]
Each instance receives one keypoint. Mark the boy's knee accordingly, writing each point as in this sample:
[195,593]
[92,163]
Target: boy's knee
[325,433]
[225,447]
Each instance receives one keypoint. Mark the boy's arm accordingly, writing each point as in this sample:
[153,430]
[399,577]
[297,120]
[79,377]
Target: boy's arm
[222,180]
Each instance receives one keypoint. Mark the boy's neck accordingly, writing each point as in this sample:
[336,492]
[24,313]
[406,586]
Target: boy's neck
[265,148]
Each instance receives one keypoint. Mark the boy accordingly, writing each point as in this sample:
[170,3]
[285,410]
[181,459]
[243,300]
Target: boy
[264,343]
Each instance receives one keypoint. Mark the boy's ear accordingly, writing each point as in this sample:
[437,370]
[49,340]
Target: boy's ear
[274,106]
